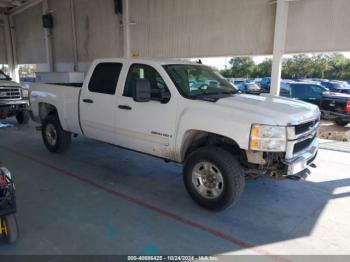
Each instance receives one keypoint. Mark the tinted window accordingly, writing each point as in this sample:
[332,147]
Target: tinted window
[139,71]
[3,76]
[316,91]
[307,91]
[105,78]
[300,91]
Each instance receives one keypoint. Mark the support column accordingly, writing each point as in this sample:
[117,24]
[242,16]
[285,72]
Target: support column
[279,45]
[74,36]
[126,29]
[48,40]
[10,49]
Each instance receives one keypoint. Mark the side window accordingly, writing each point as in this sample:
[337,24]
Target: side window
[317,91]
[285,91]
[140,71]
[299,91]
[105,77]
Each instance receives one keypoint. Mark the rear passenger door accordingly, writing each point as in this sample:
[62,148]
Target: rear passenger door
[98,100]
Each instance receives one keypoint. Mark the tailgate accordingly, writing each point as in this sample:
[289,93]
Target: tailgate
[334,104]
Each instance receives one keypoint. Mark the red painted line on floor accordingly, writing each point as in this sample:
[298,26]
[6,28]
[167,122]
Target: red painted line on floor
[161,211]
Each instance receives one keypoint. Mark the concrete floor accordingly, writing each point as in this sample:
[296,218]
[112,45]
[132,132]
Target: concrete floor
[98,199]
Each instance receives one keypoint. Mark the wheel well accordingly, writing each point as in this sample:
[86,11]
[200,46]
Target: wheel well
[197,139]
[46,110]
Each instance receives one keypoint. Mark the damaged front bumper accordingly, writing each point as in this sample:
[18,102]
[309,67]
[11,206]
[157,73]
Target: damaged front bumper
[303,161]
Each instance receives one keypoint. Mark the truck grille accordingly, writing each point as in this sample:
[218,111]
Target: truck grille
[305,127]
[10,93]
[300,146]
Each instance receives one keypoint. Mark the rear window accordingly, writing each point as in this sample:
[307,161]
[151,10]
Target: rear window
[105,77]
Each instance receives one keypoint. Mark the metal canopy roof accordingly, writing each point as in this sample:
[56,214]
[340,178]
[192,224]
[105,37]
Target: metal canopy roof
[7,4]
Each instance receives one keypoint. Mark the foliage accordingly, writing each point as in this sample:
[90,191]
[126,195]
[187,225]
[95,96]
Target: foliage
[334,66]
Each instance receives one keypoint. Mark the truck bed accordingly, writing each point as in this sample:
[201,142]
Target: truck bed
[64,97]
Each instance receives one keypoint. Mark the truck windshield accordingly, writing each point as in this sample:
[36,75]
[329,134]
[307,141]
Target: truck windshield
[196,81]
[3,76]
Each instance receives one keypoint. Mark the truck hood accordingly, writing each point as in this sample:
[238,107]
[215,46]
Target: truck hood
[279,110]
[5,83]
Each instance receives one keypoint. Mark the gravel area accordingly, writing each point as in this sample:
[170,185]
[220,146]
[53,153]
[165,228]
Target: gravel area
[331,131]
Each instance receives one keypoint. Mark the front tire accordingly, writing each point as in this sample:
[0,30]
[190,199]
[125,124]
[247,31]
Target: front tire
[22,117]
[214,178]
[55,138]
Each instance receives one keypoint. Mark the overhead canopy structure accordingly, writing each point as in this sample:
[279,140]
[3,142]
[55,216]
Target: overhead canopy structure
[84,30]
[4,4]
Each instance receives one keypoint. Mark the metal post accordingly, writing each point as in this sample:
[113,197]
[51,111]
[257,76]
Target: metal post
[126,29]
[48,40]
[279,45]
[10,47]
[74,35]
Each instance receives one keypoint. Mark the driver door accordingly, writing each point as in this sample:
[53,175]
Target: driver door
[147,127]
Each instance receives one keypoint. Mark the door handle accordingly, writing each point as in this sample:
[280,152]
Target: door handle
[89,101]
[125,107]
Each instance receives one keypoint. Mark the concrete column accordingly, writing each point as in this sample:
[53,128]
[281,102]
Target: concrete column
[48,40]
[126,29]
[279,45]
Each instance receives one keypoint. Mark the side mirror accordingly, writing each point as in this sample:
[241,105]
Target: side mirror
[142,91]
[165,96]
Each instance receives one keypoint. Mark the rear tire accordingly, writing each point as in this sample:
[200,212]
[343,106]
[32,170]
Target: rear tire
[214,178]
[55,138]
[22,117]
[341,122]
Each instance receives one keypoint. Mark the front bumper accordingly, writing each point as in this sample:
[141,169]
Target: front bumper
[10,108]
[302,161]
[14,102]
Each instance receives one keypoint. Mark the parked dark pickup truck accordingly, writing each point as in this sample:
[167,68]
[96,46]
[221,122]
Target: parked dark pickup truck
[306,91]
[336,106]
[13,99]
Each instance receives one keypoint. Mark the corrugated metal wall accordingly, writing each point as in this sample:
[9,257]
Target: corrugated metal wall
[99,33]
[192,28]
[181,28]
[29,36]
[318,25]
[3,58]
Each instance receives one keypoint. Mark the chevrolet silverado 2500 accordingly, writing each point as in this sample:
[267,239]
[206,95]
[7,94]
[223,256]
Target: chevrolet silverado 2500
[13,99]
[185,113]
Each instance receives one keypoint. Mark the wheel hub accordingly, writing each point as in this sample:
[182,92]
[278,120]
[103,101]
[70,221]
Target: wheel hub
[207,180]
[3,227]
[51,134]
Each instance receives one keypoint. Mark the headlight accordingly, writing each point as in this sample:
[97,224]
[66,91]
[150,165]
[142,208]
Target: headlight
[268,138]
[25,93]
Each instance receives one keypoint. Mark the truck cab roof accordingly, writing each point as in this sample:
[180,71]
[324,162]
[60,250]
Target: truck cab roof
[145,61]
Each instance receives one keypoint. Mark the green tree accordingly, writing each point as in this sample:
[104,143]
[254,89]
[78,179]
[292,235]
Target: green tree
[242,67]
[264,68]
[335,66]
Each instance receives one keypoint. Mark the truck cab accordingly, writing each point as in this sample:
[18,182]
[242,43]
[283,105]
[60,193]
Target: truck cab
[306,91]
[14,99]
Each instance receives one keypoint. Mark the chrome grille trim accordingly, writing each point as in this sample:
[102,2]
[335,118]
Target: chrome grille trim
[294,139]
[10,93]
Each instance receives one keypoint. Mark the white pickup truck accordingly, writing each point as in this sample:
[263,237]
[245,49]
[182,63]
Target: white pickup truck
[185,113]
